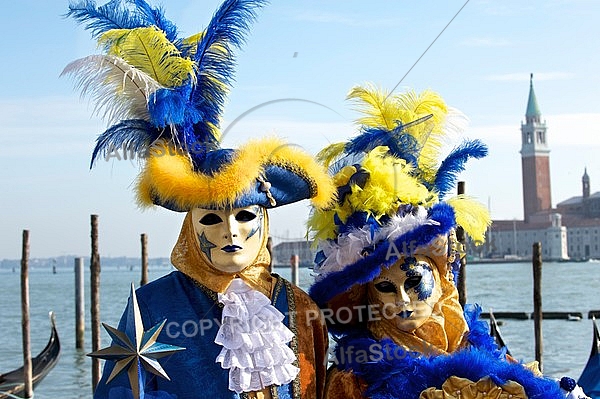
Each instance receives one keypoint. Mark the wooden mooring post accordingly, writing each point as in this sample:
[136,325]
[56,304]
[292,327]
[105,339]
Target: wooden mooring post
[79,304]
[95,299]
[144,241]
[295,264]
[270,249]
[537,302]
[462,274]
[27,365]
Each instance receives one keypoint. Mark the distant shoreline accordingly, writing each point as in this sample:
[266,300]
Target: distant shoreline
[525,260]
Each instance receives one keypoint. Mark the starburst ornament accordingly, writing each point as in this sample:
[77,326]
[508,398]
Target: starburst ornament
[135,348]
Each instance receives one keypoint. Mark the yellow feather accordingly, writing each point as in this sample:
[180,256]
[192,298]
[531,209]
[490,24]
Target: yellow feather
[428,134]
[329,154]
[384,110]
[472,216]
[379,110]
[149,50]
[390,184]
[192,42]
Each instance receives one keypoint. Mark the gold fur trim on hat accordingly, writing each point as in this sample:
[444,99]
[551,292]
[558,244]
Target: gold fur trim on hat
[169,176]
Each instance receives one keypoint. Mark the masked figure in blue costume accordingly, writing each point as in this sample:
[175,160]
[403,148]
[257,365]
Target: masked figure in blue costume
[388,260]
[247,333]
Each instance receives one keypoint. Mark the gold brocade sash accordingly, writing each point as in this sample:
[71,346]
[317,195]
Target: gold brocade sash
[186,257]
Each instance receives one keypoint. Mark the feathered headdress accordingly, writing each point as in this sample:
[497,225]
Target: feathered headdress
[163,96]
[391,188]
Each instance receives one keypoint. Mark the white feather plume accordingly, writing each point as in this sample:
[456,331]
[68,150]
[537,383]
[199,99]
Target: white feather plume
[119,90]
[348,248]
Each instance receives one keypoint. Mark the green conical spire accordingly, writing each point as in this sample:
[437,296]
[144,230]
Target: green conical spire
[533,111]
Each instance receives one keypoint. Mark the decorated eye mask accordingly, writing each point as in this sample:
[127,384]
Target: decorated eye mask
[406,292]
[231,239]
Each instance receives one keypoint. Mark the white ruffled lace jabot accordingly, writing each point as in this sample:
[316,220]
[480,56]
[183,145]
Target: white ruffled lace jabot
[254,340]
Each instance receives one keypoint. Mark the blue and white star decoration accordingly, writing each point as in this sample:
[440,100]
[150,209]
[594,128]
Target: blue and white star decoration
[135,348]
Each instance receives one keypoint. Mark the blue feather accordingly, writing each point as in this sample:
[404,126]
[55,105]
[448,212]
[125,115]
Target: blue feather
[226,30]
[368,139]
[455,163]
[135,135]
[400,144]
[119,14]
[170,107]
[156,17]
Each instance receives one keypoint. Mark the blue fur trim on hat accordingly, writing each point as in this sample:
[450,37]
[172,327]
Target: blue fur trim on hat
[359,220]
[369,267]
[392,372]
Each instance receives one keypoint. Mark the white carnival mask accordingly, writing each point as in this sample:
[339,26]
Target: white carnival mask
[230,239]
[406,292]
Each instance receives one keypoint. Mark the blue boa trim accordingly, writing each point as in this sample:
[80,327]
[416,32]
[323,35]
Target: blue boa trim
[391,372]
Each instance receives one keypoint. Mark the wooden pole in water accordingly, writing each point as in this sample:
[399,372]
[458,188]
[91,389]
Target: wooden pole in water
[27,366]
[537,301]
[144,240]
[462,273]
[79,304]
[270,249]
[95,292]
[295,263]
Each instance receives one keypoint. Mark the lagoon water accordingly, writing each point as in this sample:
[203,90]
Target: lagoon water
[567,287]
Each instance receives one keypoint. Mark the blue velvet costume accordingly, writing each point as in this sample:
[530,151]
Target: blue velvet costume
[193,316]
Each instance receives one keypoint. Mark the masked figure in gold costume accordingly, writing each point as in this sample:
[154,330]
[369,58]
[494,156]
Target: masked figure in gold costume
[388,260]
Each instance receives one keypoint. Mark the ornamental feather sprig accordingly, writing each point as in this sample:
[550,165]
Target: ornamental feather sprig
[149,83]
[402,135]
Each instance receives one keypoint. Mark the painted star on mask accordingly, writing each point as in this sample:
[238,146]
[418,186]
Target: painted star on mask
[206,245]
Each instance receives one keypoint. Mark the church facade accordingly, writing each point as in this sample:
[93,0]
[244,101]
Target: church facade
[571,230]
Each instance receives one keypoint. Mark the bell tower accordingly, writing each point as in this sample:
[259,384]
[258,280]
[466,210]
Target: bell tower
[535,159]
[585,183]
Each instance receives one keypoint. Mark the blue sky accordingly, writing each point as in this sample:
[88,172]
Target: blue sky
[306,53]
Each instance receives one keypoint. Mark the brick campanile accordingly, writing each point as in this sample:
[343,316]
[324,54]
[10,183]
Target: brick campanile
[535,159]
